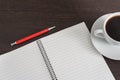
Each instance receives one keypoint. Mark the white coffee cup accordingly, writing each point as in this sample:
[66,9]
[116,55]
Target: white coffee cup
[101,32]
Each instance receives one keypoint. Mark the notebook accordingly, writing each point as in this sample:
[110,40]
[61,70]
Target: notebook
[64,55]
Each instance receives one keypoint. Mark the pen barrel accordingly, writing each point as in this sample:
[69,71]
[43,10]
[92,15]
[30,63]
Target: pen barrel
[32,36]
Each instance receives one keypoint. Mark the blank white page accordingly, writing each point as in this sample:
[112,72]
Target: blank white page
[25,63]
[73,57]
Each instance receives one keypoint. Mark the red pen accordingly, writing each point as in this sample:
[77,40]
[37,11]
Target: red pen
[32,36]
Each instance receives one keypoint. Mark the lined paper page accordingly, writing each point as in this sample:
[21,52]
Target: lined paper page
[25,63]
[73,57]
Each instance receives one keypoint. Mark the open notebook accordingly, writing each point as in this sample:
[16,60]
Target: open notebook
[65,55]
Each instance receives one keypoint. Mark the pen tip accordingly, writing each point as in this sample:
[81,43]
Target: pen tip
[52,27]
[12,44]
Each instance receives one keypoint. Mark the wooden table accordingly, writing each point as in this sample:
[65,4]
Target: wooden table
[21,18]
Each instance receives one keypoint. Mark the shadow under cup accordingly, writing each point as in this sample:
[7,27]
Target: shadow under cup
[113,28]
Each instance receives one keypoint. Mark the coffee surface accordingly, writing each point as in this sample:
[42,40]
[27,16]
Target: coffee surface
[113,28]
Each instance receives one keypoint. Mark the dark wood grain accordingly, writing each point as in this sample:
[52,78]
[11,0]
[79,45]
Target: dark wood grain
[19,18]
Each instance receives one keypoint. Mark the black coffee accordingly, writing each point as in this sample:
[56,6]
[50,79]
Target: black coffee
[113,28]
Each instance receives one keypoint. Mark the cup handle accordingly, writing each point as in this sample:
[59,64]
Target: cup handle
[99,33]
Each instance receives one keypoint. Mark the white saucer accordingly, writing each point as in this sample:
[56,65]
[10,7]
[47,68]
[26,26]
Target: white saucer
[103,47]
